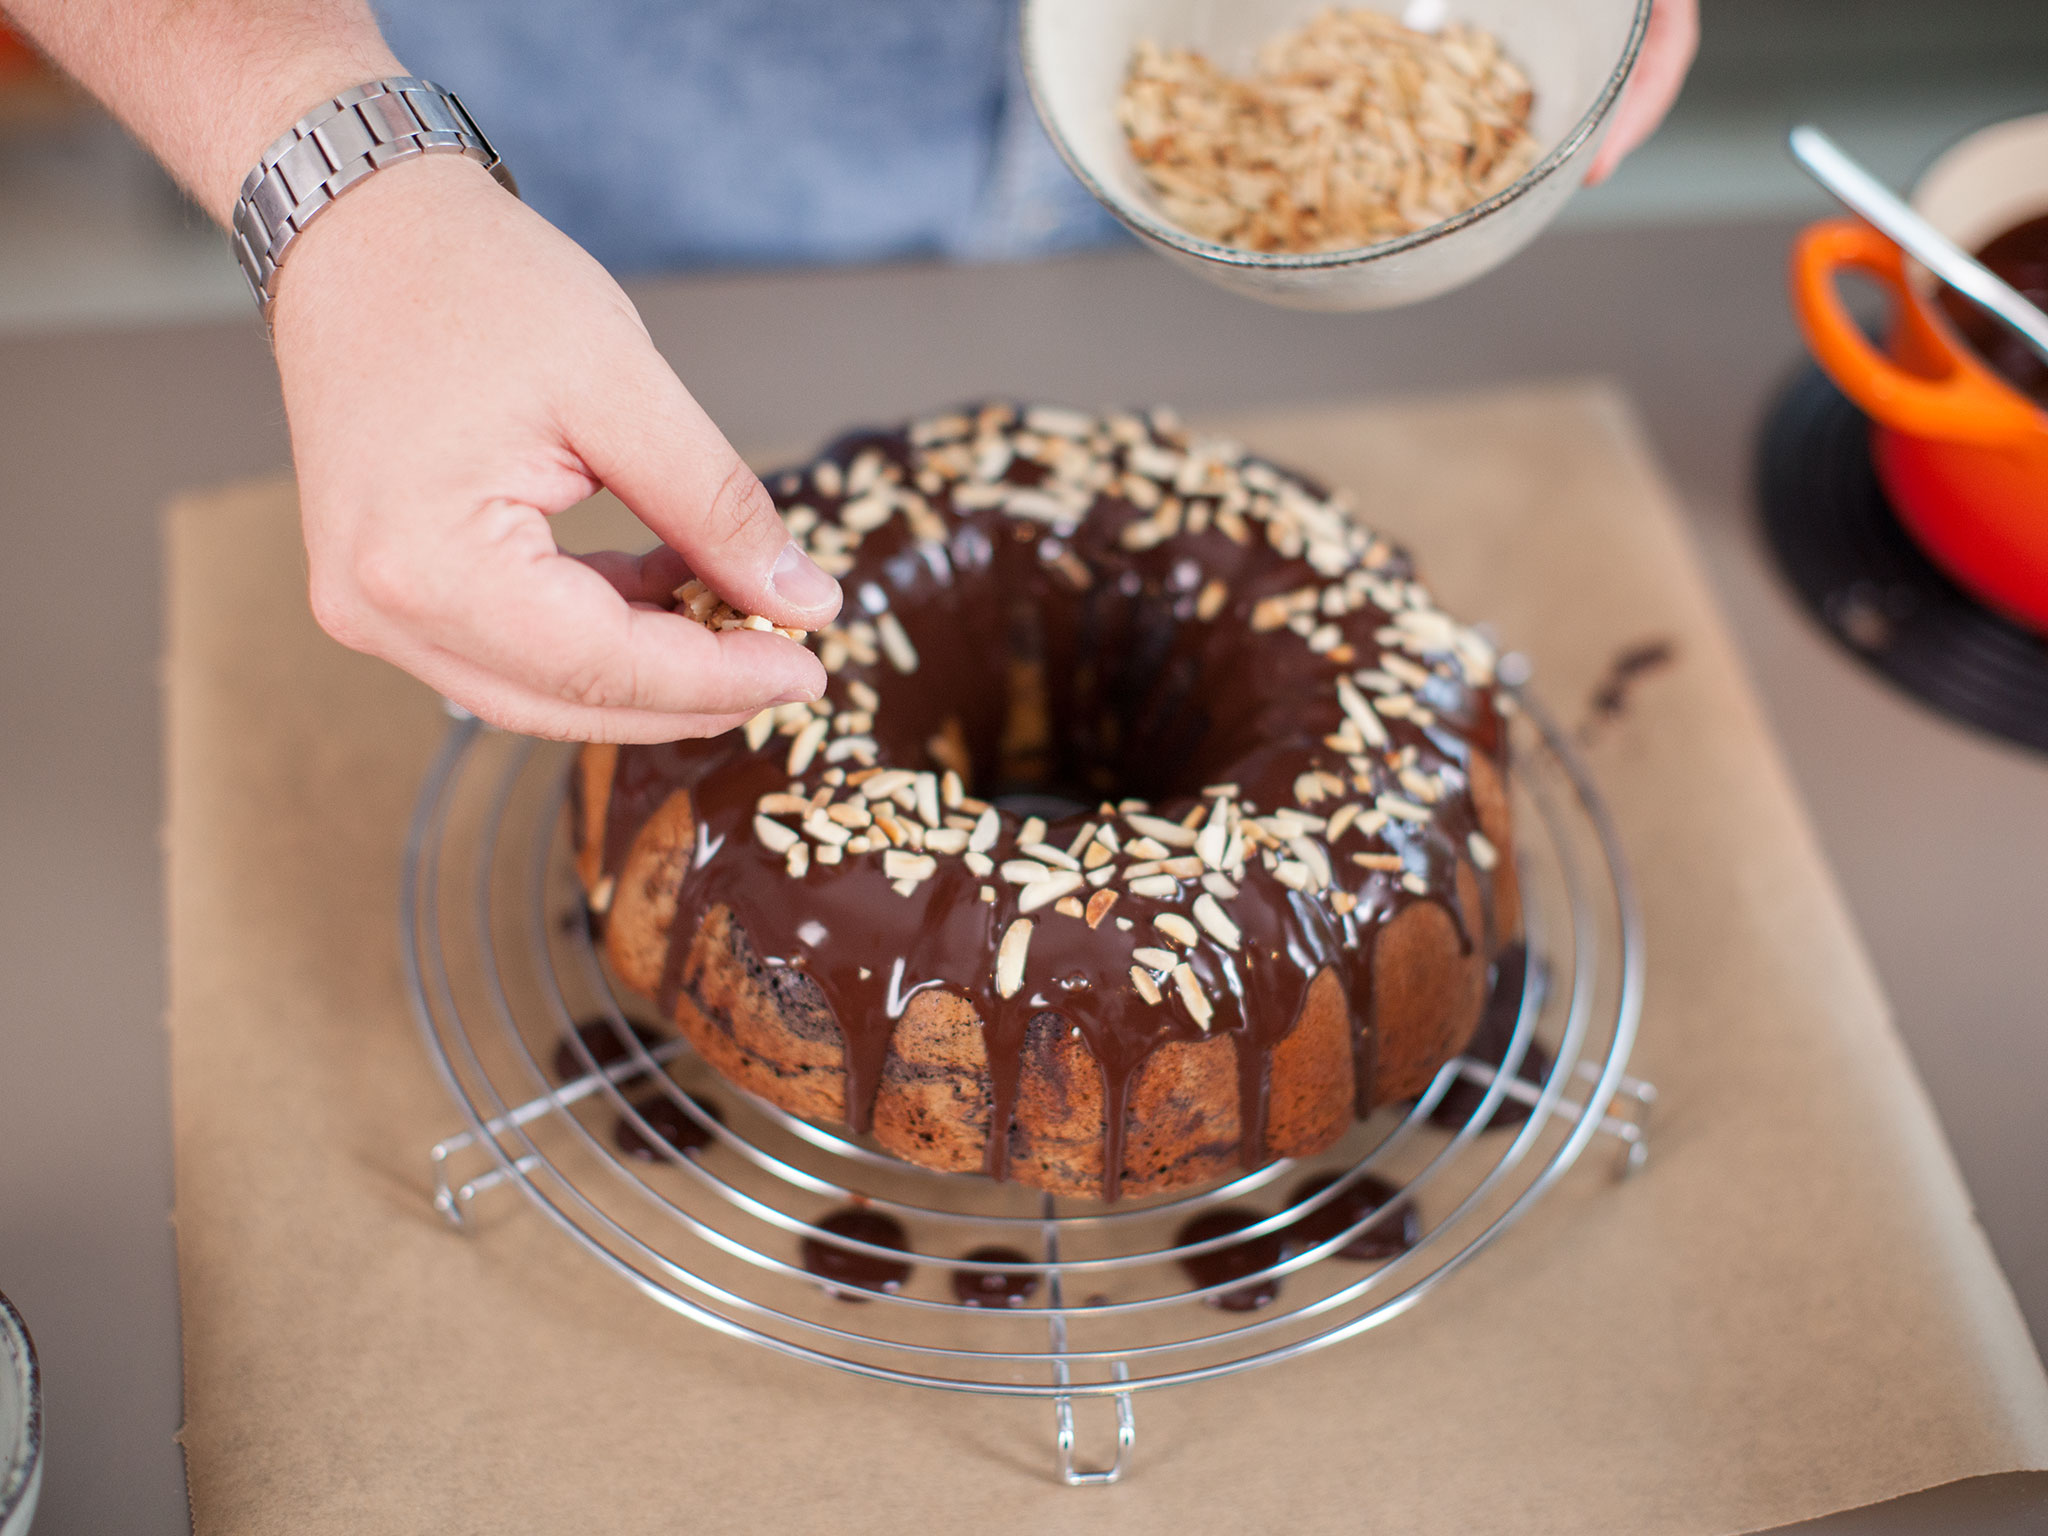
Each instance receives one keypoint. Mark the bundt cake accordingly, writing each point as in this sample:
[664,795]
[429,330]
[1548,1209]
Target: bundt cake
[1154,821]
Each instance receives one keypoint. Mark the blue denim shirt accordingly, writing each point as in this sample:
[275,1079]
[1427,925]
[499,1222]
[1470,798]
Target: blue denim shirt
[679,133]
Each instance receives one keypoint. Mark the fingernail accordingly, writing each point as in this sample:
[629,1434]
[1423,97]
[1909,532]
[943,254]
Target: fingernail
[795,696]
[797,580]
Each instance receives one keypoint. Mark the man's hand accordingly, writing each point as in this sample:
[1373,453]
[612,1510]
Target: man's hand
[454,370]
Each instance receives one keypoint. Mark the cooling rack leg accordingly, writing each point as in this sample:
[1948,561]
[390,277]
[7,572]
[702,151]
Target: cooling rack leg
[1126,1436]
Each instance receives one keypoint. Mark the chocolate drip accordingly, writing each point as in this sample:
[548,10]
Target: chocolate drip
[1066,663]
[993,1287]
[1234,1261]
[844,1267]
[669,1121]
[1396,1231]
[601,1039]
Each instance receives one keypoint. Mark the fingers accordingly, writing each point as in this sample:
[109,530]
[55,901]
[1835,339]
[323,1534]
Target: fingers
[505,704]
[639,432]
[554,644]
[1668,48]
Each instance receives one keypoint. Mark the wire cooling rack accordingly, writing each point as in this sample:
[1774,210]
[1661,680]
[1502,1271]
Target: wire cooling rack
[709,1201]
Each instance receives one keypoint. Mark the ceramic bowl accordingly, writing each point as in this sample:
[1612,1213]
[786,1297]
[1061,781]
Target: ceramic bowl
[1577,54]
[21,1424]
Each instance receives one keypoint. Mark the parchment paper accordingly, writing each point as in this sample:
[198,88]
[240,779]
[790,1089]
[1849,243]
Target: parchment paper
[1790,1312]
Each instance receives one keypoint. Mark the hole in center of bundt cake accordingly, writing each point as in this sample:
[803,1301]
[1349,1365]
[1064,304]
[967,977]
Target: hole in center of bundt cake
[1102,698]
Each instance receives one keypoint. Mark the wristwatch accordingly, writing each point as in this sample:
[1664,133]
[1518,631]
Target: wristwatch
[336,146]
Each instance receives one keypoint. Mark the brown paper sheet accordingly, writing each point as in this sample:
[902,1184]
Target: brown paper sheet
[1790,1312]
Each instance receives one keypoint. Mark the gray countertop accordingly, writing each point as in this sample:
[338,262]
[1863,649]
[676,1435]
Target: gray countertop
[1938,835]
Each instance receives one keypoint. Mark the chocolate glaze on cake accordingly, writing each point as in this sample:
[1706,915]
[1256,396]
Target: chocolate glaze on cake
[1296,768]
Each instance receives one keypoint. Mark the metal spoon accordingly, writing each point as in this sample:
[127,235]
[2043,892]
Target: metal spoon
[1865,194]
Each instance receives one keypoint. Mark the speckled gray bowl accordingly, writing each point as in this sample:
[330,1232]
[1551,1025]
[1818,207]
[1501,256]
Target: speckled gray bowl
[21,1424]
[1577,53]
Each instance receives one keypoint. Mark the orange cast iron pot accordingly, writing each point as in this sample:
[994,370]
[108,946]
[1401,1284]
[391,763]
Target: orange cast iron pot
[1962,453]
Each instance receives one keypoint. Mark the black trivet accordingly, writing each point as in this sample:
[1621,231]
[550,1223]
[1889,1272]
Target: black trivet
[1842,547]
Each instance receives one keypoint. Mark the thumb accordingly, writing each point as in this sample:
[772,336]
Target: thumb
[651,444]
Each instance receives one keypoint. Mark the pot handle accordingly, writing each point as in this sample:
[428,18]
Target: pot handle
[1968,404]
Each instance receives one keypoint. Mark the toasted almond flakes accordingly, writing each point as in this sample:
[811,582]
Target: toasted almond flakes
[1098,907]
[1172,833]
[1383,861]
[895,642]
[1211,916]
[1061,883]
[1067,906]
[1010,956]
[1191,995]
[773,835]
[805,747]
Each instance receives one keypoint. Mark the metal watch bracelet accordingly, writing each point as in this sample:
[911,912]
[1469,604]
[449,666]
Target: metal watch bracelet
[334,147]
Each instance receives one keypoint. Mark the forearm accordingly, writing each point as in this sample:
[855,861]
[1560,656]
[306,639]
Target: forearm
[206,84]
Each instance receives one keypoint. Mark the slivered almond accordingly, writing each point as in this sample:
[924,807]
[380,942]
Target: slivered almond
[1308,788]
[1010,957]
[1221,885]
[883,785]
[982,865]
[1025,871]
[898,865]
[1060,883]
[1292,875]
[951,790]
[1178,929]
[824,829]
[1343,903]
[1407,810]
[986,830]
[1385,861]
[947,840]
[781,803]
[1340,821]
[1146,848]
[1186,867]
[927,786]
[1211,916]
[849,814]
[1098,907]
[1098,854]
[1172,833]
[1484,854]
[1046,853]
[1143,984]
[1155,959]
[805,747]
[1033,831]
[1359,711]
[1068,906]
[1192,996]
[759,729]
[798,860]
[774,836]
[1214,837]
[895,642]
[1159,887]
[600,898]
[1211,599]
